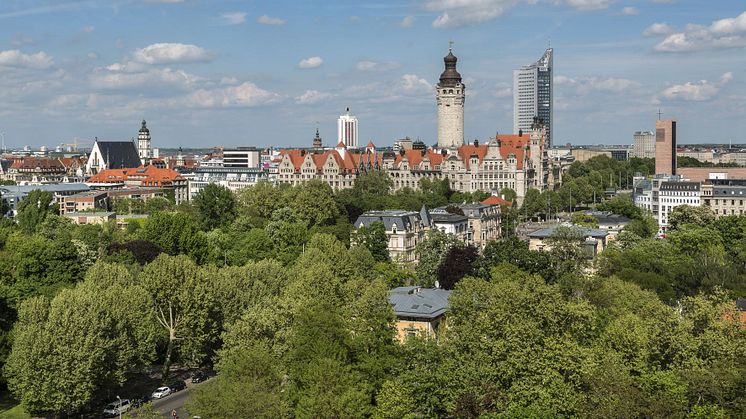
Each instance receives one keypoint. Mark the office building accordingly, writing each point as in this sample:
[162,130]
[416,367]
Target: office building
[643,145]
[247,157]
[347,127]
[450,94]
[533,95]
[665,147]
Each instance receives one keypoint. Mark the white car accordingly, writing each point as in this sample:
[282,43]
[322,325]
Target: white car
[116,408]
[160,392]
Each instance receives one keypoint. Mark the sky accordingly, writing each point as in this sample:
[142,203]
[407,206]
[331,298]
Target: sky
[207,73]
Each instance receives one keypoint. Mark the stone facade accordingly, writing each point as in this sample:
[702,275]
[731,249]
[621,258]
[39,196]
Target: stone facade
[450,93]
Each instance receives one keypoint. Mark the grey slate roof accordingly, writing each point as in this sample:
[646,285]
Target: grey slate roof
[405,220]
[418,302]
[119,154]
[448,218]
[586,232]
[608,218]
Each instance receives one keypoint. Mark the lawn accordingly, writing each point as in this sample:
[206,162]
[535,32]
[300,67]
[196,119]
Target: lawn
[15,412]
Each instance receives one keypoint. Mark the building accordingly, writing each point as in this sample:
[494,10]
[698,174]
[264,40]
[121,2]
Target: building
[610,222]
[643,145]
[674,194]
[484,222]
[143,177]
[702,174]
[419,311]
[665,147]
[14,194]
[595,240]
[103,199]
[533,95]
[112,155]
[36,170]
[450,93]
[347,130]
[143,144]
[724,197]
[232,178]
[404,230]
[245,157]
[454,224]
[90,217]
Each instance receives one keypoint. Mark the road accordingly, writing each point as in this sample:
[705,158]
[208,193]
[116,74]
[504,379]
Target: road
[173,401]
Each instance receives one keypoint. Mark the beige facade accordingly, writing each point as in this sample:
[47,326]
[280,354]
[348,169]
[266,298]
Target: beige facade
[643,145]
[724,199]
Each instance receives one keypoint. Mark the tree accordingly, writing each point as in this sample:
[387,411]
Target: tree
[176,234]
[143,251]
[622,204]
[374,238]
[313,202]
[688,214]
[216,206]
[458,263]
[584,220]
[156,204]
[431,252]
[261,200]
[33,209]
[184,307]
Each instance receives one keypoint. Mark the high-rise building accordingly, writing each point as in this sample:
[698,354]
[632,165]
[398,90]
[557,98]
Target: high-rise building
[643,145]
[533,95]
[143,144]
[665,147]
[449,94]
[347,129]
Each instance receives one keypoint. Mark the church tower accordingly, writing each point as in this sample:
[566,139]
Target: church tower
[450,94]
[143,144]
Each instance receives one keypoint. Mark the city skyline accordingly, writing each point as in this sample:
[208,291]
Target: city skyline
[226,73]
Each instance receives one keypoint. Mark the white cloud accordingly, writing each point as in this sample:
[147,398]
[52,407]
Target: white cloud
[630,11]
[411,83]
[310,62]
[164,53]
[310,97]
[699,91]
[723,33]
[266,20]
[233,18]
[589,4]
[15,58]
[124,76]
[165,1]
[407,22]
[658,29]
[244,95]
[376,66]
[503,90]
[89,29]
[586,85]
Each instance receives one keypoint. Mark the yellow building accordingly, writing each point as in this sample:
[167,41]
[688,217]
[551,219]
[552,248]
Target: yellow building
[419,311]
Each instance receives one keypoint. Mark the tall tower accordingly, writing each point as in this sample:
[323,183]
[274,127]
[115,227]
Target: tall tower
[665,147]
[450,94]
[347,129]
[143,144]
[533,95]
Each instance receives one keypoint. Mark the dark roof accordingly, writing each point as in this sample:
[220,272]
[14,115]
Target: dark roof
[450,77]
[726,191]
[404,220]
[606,217]
[741,304]
[418,302]
[448,218]
[119,154]
[680,186]
[586,232]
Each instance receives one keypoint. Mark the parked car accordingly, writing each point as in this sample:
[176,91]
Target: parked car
[115,408]
[160,392]
[177,385]
[199,377]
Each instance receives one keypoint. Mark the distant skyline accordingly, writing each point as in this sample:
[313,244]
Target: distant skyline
[231,72]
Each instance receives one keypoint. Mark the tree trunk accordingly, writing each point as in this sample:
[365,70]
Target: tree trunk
[167,361]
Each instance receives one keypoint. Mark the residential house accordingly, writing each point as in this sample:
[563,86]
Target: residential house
[404,230]
[594,240]
[90,217]
[419,311]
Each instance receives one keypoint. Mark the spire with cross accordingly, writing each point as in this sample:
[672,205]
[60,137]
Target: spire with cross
[450,45]
[659,114]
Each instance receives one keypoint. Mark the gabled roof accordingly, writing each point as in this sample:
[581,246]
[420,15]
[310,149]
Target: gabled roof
[31,163]
[496,200]
[418,302]
[141,173]
[118,154]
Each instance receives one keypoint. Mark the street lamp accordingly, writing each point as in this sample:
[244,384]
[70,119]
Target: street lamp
[119,408]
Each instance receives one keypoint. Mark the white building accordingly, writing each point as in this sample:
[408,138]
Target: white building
[450,93]
[643,145]
[347,127]
[533,95]
[241,157]
[662,194]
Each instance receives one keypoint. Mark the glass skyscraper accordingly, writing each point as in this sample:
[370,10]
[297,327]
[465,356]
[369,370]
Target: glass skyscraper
[533,95]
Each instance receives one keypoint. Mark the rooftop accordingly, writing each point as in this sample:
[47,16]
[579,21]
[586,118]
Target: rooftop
[418,302]
[586,232]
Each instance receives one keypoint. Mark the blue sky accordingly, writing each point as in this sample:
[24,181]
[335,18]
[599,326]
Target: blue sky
[229,72]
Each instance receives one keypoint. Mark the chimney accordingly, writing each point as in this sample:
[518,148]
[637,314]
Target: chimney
[520,133]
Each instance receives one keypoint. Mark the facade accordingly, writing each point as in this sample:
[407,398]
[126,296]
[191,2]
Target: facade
[724,197]
[101,199]
[233,178]
[484,222]
[454,224]
[533,95]
[665,147]
[112,155]
[702,174]
[673,194]
[347,130]
[643,145]
[14,194]
[144,177]
[36,170]
[610,222]
[144,149]
[404,230]
[595,240]
[450,93]
[246,157]
[419,311]
[90,217]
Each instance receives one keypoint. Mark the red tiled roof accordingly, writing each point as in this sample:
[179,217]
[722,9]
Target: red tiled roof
[496,200]
[146,175]
[30,163]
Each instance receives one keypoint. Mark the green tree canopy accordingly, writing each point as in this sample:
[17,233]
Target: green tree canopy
[216,206]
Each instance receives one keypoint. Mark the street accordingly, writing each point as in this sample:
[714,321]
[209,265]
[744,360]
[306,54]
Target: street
[171,402]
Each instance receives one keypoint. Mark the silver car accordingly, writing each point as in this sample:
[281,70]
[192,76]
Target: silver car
[116,408]
[160,392]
